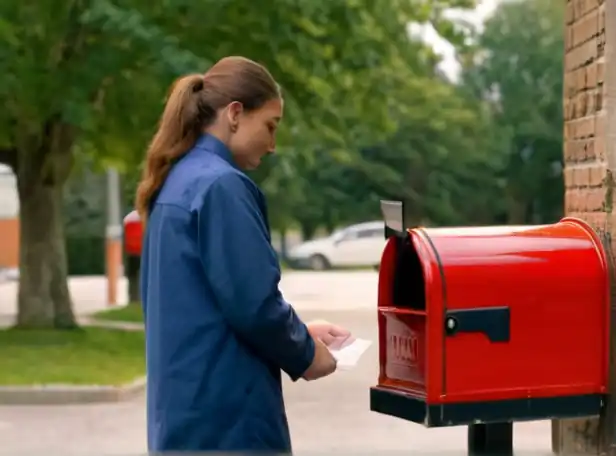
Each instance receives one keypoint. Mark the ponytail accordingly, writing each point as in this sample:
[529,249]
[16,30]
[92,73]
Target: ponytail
[181,124]
[191,108]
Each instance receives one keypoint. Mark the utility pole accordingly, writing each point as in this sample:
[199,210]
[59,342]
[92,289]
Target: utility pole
[113,246]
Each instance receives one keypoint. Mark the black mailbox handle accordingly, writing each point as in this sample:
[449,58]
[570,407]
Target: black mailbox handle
[494,322]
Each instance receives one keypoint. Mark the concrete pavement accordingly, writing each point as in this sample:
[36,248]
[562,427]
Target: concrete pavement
[328,415]
[305,290]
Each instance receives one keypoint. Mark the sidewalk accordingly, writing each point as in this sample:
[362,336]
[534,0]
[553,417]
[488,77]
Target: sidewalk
[344,290]
[329,416]
[89,295]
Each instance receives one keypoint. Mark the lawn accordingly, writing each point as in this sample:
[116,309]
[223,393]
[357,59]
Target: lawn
[89,356]
[131,313]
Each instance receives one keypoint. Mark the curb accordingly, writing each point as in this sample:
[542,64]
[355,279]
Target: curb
[111,324]
[70,394]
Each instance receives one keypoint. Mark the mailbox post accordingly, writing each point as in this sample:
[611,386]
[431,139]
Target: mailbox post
[487,326]
[133,233]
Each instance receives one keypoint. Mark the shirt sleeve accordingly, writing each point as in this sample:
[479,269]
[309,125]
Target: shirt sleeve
[243,270]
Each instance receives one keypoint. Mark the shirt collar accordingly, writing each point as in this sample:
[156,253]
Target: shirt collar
[211,144]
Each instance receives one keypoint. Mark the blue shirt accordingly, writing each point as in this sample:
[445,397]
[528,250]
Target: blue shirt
[218,331]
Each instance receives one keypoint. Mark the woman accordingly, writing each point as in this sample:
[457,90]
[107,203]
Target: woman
[218,331]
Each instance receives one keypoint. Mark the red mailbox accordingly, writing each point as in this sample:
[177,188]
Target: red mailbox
[133,234]
[491,324]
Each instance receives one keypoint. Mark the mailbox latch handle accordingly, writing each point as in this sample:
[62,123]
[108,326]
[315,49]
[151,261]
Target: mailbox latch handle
[494,322]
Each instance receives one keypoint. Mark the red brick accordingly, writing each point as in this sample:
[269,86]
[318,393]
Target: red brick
[568,38]
[591,75]
[567,200]
[590,50]
[582,128]
[569,86]
[581,79]
[568,177]
[569,13]
[599,148]
[589,149]
[568,153]
[588,6]
[600,72]
[586,27]
[567,109]
[598,220]
[573,201]
[597,174]
[598,100]
[568,131]
[582,176]
[599,125]
[596,199]
[601,44]
[578,150]
[591,102]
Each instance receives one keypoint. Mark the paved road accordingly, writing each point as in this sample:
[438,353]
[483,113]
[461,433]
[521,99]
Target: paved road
[329,415]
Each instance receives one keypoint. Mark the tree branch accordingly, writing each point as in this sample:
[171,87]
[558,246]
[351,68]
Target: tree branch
[73,41]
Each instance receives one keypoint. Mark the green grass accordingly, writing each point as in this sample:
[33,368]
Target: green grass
[131,313]
[89,356]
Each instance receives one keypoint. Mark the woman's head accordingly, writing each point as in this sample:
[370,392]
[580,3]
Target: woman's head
[237,100]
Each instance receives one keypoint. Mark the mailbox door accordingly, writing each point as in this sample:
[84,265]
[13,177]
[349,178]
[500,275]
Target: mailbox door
[405,348]
[409,314]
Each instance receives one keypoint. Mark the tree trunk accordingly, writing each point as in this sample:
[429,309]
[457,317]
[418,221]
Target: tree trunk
[43,166]
[330,226]
[517,210]
[44,299]
[308,230]
[284,245]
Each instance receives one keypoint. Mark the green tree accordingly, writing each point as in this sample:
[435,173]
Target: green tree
[516,68]
[92,74]
[439,161]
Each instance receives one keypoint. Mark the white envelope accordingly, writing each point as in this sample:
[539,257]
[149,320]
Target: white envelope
[349,354]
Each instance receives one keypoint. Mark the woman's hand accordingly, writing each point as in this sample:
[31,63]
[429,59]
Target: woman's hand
[323,363]
[326,336]
[333,336]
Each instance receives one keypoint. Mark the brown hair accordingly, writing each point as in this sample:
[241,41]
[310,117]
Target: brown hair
[191,107]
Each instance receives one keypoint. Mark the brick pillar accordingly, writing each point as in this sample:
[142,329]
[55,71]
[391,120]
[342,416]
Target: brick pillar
[590,167]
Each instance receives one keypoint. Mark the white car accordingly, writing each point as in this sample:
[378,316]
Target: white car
[354,246]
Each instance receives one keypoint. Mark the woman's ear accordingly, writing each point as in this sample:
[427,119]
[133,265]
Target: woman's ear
[234,112]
